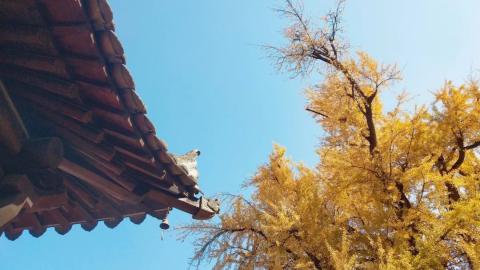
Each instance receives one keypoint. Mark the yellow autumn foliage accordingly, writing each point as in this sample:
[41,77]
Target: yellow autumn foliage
[394,189]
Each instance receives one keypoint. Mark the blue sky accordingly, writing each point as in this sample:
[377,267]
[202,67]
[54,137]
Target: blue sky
[207,84]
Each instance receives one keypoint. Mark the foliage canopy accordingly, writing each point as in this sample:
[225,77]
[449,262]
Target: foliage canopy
[392,190]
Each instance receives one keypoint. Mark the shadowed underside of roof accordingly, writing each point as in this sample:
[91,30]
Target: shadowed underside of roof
[75,144]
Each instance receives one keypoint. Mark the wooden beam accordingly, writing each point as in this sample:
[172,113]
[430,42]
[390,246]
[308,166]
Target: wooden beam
[99,182]
[37,202]
[135,142]
[87,215]
[55,104]
[152,182]
[85,131]
[20,12]
[119,179]
[26,36]
[116,120]
[114,166]
[45,153]
[12,130]
[74,215]
[42,81]
[34,60]
[65,225]
[62,11]
[75,39]
[49,202]
[79,193]
[10,206]
[87,68]
[102,95]
[133,210]
[86,147]
[200,209]
[42,153]
[24,153]
[27,221]
[110,208]
[130,154]
[53,218]
[151,171]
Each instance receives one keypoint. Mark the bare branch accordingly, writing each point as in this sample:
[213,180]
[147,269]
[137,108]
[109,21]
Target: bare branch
[473,145]
[308,108]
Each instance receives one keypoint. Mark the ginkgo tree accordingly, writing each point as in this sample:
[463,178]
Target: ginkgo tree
[392,190]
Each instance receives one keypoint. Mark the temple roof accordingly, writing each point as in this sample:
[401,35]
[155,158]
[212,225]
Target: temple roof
[63,74]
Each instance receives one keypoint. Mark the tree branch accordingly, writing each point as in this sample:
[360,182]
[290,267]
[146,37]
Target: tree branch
[308,108]
[473,145]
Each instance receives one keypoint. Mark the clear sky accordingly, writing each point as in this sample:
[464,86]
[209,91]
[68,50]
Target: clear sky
[207,84]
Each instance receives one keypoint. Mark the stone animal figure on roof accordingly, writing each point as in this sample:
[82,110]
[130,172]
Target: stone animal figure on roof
[188,162]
